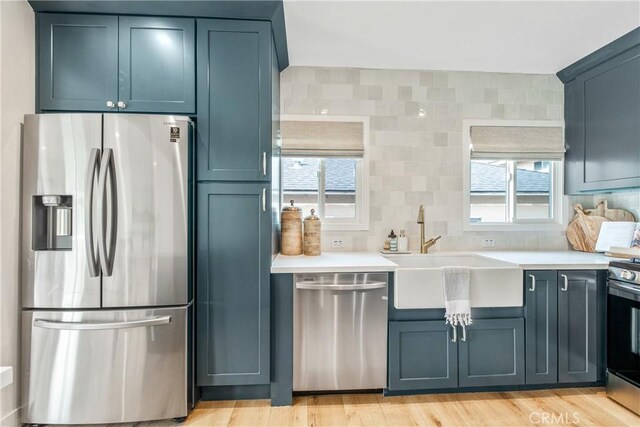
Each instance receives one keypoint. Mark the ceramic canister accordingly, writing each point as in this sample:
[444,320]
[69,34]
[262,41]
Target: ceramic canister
[291,230]
[312,234]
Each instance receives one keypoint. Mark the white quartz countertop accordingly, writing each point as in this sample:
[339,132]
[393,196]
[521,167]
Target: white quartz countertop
[552,260]
[345,262]
[332,262]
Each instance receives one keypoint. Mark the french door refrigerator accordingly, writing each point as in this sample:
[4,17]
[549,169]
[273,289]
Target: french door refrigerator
[105,275]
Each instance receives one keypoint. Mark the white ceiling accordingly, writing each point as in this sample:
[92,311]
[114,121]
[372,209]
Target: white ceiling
[504,36]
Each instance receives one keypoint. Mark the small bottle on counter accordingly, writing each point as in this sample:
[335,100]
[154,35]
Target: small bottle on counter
[403,242]
[393,242]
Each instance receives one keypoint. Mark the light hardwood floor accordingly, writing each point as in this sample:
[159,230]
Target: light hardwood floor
[579,406]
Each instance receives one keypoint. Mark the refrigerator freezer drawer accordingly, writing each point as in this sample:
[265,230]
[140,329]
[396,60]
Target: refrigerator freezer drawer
[86,367]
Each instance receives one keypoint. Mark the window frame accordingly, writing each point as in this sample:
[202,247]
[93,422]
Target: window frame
[361,221]
[558,219]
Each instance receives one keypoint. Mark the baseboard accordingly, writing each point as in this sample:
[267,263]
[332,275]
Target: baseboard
[489,389]
[236,392]
[12,419]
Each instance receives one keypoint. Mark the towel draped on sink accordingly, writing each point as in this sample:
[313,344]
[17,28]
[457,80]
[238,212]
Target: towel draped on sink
[456,295]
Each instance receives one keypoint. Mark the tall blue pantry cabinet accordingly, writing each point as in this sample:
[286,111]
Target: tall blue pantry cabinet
[238,83]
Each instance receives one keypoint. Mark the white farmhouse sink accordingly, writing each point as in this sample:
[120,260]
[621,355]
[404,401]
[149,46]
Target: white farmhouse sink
[419,283]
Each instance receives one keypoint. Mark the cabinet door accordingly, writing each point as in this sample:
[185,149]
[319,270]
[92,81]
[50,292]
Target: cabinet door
[492,353]
[577,335]
[541,318]
[233,229]
[422,355]
[607,111]
[77,62]
[573,138]
[234,101]
[157,64]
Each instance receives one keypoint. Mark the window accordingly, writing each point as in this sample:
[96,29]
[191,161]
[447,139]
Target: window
[331,186]
[324,168]
[513,176]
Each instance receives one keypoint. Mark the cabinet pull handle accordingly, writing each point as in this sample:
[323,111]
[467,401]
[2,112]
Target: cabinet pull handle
[533,283]
[264,163]
[566,283]
[455,334]
[264,200]
[121,104]
[464,333]
[110,104]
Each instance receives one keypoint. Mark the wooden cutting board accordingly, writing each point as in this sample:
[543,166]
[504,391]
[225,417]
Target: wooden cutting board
[601,209]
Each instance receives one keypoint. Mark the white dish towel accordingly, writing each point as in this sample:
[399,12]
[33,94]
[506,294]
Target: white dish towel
[456,295]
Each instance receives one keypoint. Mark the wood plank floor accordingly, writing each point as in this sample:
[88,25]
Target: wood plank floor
[579,406]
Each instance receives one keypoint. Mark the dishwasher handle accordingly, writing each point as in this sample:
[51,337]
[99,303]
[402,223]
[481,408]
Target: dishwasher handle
[312,286]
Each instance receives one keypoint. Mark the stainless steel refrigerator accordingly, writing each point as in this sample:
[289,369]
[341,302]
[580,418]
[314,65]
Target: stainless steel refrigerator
[106,289]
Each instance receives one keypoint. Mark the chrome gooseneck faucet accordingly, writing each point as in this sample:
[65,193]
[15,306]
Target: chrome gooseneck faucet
[424,245]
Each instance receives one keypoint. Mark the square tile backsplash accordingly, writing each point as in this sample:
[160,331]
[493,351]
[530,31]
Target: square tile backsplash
[415,144]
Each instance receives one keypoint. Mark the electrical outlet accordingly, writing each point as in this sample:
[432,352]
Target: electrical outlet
[337,243]
[488,243]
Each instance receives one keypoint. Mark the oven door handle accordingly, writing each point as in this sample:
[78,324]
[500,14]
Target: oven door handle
[623,290]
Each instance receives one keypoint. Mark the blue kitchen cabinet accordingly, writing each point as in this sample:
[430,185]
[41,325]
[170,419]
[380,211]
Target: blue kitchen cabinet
[491,353]
[578,318]
[602,118]
[541,317]
[157,64]
[422,356]
[233,241]
[77,62]
[234,132]
[110,63]
[565,326]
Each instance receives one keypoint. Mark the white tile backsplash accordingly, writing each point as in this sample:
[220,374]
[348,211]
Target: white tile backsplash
[415,146]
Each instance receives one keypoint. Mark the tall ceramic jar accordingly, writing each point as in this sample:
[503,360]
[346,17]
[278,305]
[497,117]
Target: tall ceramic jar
[291,230]
[312,234]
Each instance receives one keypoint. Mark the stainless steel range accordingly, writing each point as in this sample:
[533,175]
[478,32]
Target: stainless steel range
[105,298]
[623,334]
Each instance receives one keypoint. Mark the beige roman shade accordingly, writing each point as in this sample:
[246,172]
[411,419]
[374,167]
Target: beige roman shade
[517,142]
[322,139]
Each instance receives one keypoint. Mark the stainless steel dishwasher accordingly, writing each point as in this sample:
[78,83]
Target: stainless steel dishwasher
[340,331]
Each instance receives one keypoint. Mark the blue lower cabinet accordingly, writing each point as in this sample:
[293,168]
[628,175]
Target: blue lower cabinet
[491,353]
[233,241]
[541,316]
[422,355]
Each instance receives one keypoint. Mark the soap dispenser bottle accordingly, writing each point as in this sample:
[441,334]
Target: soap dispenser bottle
[393,242]
[403,242]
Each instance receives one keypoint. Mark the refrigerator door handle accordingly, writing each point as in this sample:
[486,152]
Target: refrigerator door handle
[92,169]
[107,256]
[100,326]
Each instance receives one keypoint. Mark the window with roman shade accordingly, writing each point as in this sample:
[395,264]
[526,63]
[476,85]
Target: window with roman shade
[513,175]
[324,168]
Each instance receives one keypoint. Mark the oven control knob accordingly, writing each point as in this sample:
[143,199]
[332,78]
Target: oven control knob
[627,275]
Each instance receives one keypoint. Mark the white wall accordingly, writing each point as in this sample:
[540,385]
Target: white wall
[17,95]
[416,148]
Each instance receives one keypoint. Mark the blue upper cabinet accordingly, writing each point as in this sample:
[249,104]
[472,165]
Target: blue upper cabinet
[110,63]
[78,62]
[234,100]
[602,118]
[157,64]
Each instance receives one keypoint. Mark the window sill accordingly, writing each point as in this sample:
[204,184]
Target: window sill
[346,226]
[554,226]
